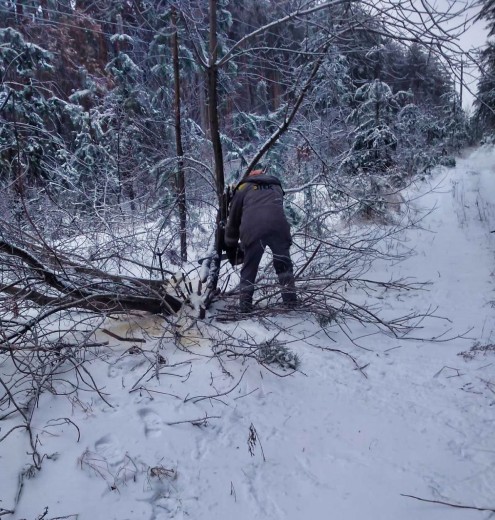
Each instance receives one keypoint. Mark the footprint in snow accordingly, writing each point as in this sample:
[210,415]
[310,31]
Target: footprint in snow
[152,422]
[109,448]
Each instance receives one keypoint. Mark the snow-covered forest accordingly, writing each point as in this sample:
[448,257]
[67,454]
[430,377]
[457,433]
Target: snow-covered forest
[130,386]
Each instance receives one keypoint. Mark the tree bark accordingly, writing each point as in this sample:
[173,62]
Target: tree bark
[180,180]
[75,286]
[213,117]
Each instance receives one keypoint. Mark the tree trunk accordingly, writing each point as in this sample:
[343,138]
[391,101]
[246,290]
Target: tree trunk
[180,180]
[49,279]
[212,75]
[213,119]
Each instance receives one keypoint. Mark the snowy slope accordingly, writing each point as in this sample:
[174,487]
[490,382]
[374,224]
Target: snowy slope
[330,441]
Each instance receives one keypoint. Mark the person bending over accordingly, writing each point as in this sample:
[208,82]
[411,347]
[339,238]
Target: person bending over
[257,219]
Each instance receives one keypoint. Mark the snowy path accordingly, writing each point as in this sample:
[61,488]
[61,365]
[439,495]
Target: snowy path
[337,445]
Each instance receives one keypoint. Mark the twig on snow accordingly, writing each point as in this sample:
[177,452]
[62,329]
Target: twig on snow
[252,439]
[449,503]
[150,391]
[216,396]
[121,338]
[65,420]
[196,422]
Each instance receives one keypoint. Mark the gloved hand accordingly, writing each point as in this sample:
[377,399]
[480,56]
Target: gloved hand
[235,255]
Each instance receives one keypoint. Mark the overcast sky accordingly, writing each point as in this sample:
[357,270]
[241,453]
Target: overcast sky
[476,36]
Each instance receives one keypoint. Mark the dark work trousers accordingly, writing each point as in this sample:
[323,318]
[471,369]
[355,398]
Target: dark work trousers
[281,262]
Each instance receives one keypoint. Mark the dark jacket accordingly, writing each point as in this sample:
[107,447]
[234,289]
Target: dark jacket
[256,211]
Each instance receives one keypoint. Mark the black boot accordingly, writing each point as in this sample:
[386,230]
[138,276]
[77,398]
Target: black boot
[245,306]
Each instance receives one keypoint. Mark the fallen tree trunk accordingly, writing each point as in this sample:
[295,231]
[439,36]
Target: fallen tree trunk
[88,287]
[37,282]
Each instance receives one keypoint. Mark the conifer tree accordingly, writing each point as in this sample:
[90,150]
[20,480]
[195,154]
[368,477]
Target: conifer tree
[485,101]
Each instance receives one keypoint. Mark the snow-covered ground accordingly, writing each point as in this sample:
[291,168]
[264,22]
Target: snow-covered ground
[330,441]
